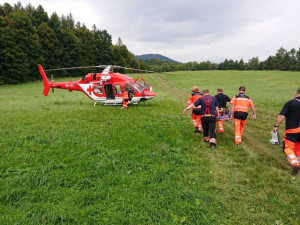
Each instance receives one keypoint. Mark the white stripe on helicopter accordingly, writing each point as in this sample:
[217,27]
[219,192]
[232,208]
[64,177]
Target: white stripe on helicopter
[116,101]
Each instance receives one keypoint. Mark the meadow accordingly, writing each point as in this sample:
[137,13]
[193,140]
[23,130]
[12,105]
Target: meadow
[64,161]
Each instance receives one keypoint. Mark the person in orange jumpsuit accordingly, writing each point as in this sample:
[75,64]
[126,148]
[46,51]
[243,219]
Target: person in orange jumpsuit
[125,97]
[196,117]
[222,99]
[291,137]
[239,110]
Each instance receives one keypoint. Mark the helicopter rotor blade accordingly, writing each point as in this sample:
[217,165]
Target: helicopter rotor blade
[147,71]
[105,66]
[128,68]
[80,67]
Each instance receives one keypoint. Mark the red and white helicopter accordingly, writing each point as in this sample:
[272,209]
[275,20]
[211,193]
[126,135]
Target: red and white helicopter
[104,87]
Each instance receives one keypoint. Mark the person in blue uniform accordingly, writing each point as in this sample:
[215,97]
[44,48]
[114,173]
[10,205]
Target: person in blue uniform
[210,112]
[222,99]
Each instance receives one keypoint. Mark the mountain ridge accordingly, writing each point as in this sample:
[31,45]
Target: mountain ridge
[147,57]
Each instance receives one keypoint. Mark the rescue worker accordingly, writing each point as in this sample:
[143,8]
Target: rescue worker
[209,111]
[222,99]
[125,97]
[291,137]
[239,110]
[196,117]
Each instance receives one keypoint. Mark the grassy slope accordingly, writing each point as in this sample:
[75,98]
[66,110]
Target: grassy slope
[65,161]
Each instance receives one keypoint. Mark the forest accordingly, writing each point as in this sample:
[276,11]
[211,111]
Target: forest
[28,37]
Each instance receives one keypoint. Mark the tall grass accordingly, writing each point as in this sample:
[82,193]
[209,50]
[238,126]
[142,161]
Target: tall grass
[64,161]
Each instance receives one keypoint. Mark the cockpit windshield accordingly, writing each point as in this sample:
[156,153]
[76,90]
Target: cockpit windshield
[137,86]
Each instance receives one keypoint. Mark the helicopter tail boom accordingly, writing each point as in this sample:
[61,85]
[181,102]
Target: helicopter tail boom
[45,81]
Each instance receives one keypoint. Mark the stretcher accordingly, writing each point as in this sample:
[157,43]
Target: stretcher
[225,117]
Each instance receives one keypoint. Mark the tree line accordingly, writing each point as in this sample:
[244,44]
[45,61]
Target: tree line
[28,37]
[283,60]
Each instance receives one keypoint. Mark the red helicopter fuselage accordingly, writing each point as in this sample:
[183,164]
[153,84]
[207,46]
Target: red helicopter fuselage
[104,87]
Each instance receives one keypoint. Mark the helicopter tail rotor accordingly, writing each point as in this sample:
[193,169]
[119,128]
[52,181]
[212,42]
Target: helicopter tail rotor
[45,81]
[52,81]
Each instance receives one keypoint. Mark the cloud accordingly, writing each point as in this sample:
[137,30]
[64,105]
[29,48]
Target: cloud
[189,30]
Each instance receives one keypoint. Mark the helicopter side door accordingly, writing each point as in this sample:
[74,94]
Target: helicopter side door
[130,90]
[109,91]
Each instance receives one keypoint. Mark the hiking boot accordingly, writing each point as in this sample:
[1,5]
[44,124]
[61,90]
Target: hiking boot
[295,170]
[197,130]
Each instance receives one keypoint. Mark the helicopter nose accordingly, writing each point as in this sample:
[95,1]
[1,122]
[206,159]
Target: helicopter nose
[149,94]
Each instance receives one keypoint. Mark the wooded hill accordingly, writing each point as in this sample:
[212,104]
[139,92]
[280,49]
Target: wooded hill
[148,57]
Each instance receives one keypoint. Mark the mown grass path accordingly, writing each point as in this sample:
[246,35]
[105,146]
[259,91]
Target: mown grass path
[65,161]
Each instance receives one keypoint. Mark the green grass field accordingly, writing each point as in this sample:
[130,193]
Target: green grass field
[64,161]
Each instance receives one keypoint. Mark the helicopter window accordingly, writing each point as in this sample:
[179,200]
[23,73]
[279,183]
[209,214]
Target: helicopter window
[131,91]
[144,84]
[139,84]
[98,90]
[129,88]
[136,86]
[117,89]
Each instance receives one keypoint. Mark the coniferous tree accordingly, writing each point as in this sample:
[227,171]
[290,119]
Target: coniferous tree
[39,15]
[242,64]
[14,66]
[119,42]
[143,65]
[226,64]
[29,9]
[270,63]
[281,60]
[68,23]
[27,40]
[103,42]
[55,24]
[18,6]
[71,56]
[86,45]
[298,60]
[123,57]
[293,59]
[253,63]
[5,10]
[50,46]
[262,65]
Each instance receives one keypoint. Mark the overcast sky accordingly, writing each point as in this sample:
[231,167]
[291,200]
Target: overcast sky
[190,30]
